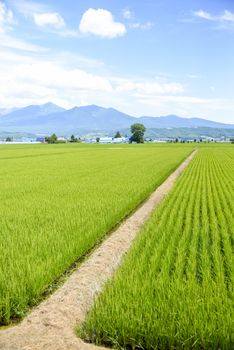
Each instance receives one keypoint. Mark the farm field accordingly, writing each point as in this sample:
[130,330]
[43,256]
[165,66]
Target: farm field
[175,288]
[58,201]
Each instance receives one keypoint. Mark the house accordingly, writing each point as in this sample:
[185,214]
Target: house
[120,140]
[61,138]
[40,139]
[106,140]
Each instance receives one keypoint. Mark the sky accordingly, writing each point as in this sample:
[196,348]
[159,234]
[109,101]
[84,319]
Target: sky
[151,57]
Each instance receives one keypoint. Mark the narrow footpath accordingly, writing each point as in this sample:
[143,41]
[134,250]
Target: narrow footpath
[51,325]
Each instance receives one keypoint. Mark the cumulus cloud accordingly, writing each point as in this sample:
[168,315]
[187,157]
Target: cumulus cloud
[40,78]
[70,80]
[44,17]
[51,19]
[101,22]
[6,18]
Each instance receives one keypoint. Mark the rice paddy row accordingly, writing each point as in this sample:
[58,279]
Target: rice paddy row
[175,288]
[58,201]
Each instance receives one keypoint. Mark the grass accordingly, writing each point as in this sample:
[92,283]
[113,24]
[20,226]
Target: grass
[58,201]
[175,288]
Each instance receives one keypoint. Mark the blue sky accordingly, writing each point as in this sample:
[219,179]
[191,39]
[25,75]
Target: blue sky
[151,57]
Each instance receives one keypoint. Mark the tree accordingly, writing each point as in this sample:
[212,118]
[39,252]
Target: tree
[97,139]
[232,140]
[9,139]
[137,131]
[73,139]
[117,135]
[51,139]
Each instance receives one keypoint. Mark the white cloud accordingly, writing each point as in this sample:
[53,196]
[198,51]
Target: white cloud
[227,16]
[127,14]
[210,108]
[52,19]
[101,22]
[150,87]
[28,8]
[68,80]
[7,21]
[71,80]
[137,25]
[194,76]
[37,79]
[203,14]
[8,41]
[44,17]
[6,18]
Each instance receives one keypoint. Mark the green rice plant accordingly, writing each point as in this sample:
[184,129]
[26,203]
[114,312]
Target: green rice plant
[59,201]
[175,288]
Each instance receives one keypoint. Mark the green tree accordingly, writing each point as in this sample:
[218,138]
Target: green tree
[137,131]
[232,140]
[51,139]
[117,135]
[73,139]
[9,139]
[97,139]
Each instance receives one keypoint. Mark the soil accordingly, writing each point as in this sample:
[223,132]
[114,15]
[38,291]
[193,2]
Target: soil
[51,325]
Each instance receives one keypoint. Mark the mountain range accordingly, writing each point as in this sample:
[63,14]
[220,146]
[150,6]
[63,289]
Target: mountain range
[49,118]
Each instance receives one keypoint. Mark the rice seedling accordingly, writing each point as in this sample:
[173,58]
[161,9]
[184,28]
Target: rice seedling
[175,289]
[58,201]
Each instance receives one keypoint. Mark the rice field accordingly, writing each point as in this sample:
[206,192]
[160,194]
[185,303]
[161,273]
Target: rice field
[59,201]
[175,289]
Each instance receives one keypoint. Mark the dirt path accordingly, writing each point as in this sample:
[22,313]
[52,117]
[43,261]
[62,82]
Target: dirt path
[50,326]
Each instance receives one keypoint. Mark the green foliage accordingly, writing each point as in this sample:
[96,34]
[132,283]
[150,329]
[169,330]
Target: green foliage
[97,139]
[57,201]
[175,289]
[232,140]
[9,139]
[137,127]
[51,139]
[187,133]
[117,135]
[74,139]
[137,131]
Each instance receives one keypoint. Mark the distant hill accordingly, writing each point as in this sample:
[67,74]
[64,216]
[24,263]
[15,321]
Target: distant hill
[16,135]
[4,111]
[173,121]
[186,133]
[25,117]
[49,118]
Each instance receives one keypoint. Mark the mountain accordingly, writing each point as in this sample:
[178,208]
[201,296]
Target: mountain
[25,116]
[16,135]
[49,118]
[77,119]
[173,121]
[185,133]
[4,111]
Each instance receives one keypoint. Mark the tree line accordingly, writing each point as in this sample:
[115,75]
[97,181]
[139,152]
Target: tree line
[137,131]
